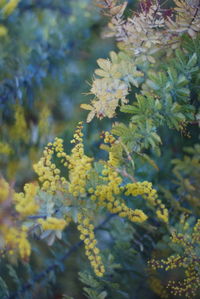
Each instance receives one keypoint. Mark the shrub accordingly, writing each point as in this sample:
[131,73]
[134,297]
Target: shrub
[144,211]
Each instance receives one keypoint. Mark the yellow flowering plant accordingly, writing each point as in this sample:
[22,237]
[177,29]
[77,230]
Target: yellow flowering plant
[13,232]
[150,221]
[80,195]
[184,242]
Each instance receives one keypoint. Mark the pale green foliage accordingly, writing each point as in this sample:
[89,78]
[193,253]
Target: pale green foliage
[138,137]
[117,76]
[126,68]
[95,289]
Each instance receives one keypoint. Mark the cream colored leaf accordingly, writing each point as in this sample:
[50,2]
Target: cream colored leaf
[118,10]
[86,106]
[101,73]
[151,59]
[90,116]
[104,64]
[113,57]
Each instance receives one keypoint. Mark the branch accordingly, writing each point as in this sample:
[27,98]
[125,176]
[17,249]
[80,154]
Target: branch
[124,173]
[194,122]
[128,154]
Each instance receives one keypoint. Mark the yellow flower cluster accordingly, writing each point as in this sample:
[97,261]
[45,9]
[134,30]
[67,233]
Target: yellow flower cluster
[79,165]
[87,235]
[4,190]
[187,259]
[181,239]
[19,129]
[43,124]
[142,188]
[16,239]
[3,30]
[171,263]
[57,146]
[49,174]
[109,138]
[52,223]
[13,237]
[148,193]
[196,232]
[5,148]
[10,7]
[12,168]
[106,194]
[25,203]
[188,287]
[162,213]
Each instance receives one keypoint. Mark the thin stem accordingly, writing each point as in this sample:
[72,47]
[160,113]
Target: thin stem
[124,173]
[128,154]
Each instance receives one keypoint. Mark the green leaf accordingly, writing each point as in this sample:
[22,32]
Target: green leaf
[182,81]
[127,109]
[120,129]
[185,92]
[74,214]
[152,84]
[89,280]
[102,295]
[4,291]
[172,74]
[13,275]
[192,61]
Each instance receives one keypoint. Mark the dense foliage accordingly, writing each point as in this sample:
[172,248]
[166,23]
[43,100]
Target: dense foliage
[128,175]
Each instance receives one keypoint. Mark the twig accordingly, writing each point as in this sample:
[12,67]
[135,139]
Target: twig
[128,154]
[124,173]
[194,122]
